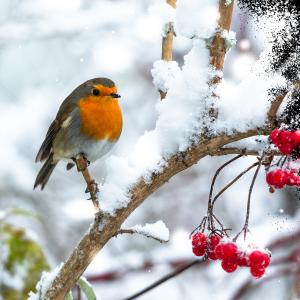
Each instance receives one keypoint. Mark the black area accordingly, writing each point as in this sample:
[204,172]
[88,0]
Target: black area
[285,58]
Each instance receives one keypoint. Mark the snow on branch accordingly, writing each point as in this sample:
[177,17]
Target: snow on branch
[157,231]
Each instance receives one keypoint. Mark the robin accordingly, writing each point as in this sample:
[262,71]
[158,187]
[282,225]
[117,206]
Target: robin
[88,123]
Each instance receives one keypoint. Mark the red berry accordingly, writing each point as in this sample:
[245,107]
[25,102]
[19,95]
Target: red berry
[219,251]
[270,178]
[259,259]
[278,178]
[286,149]
[242,259]
[229,251]
[228,266]
[199,251]
[285,137]
[296,137]
[257,272]
[214,241]
[212,255]
[199,239]
[274,136]
[293,178]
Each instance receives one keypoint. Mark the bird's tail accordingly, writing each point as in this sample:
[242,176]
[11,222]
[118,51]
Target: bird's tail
[45,172]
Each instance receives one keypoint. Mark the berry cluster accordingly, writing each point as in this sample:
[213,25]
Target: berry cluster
[230,255]
[279,178]
[285,140]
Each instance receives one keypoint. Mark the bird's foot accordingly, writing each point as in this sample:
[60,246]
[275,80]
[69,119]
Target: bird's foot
[81,162]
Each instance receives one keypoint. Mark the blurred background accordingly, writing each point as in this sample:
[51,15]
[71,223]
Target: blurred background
[47,48]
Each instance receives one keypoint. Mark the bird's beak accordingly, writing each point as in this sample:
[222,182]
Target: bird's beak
[113,95]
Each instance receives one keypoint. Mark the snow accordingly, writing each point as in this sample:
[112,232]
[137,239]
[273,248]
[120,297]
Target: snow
[44,283]
[178,125]
[257,143]
[162,14]
[196,18]
[240,110]
[163,74]
[230,38]
[156,230]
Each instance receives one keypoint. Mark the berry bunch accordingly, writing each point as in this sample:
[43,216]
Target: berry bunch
[231,256]
[285,140]
[279,178]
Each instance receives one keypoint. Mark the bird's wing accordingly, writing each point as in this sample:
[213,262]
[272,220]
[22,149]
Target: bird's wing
[46,148]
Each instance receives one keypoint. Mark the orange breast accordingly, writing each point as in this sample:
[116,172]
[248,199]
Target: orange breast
[100,117]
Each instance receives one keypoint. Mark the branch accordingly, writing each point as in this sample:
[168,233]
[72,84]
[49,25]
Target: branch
[244,151]
[167,44]
[275,106]
[218,46]
[249,284]
[105,226]
[157,231]
[166,278]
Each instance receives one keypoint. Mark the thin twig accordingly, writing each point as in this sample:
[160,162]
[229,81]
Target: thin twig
[245,228]
[217,173]
[166,278]
[167,44]
[233,181]
[133,231]
[243,151]
[275,106]
[209,207]
[249,283]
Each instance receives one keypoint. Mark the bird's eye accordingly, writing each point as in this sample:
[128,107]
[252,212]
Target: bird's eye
[95,92]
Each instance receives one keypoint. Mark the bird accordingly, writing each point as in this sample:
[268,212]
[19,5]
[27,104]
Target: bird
[88,123]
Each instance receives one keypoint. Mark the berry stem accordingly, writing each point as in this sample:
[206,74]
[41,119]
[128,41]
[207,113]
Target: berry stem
[210,206]
[233,181]
[246,225]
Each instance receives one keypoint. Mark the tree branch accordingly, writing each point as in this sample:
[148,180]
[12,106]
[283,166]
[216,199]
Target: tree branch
[167,44]
[105,226]
[166,278]
[246,152]
[218,47]
[140,231]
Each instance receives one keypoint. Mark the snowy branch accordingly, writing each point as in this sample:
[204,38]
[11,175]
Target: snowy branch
[243,151]
[157,231]
[107,224]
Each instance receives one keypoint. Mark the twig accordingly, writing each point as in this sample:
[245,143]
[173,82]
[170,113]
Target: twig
[92,187]
[133,231]
[243,151]
[166,278]
[233,181]
[167,43]
[210,206]
[275,106]
[287,240]
[249,283]
[245,228]
[218,48]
